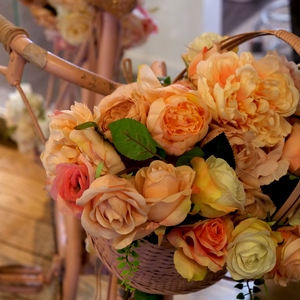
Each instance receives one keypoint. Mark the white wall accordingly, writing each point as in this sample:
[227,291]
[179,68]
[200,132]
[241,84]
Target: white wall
[179,21]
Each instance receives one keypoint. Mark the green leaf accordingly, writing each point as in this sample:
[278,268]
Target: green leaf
[186,158]
[139,295]
[121,258]
[220,148]
[132,139]
[121,265]
[121,251]
[165,80]
[256,289]
[86,125]
[134,254]
[240,296]
[136,263]
[259,281]
[124,272]
[239,286]
[256,298]
[99,170]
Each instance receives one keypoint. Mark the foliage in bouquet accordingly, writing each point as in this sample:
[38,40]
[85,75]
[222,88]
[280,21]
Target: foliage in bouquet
[69,23]
[20,127]
[189,162]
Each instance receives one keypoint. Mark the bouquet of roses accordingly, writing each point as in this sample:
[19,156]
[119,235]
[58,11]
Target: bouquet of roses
[189,162]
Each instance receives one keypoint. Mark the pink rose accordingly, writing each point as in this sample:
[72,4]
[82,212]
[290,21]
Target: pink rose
[70,182]
[201,244]
[291,150]
[287,266]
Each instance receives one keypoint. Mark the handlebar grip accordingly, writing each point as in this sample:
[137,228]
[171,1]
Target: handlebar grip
[8,32]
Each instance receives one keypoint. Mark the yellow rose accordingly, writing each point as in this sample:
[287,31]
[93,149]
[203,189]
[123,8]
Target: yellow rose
[252,249]
[216,188]
[124,102]
[113,209]
[178,119]
[291,150]
[167,191]
[75,26]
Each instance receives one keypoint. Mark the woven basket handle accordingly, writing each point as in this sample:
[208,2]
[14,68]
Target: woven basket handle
[16,40]
[236,40]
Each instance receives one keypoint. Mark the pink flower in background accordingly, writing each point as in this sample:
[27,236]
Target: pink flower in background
[136,27]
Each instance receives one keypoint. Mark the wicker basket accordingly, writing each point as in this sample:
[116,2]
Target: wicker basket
[156,273]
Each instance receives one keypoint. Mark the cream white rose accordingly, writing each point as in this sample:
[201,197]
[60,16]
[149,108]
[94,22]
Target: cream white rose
[252,249]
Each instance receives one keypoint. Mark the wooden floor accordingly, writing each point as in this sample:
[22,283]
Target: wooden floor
[26,224]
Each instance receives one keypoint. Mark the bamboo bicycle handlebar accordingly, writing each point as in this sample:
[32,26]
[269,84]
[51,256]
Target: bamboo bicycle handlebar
[16,39]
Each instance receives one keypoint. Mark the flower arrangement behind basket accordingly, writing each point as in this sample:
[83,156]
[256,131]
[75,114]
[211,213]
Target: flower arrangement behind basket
[20,127]
[189,163]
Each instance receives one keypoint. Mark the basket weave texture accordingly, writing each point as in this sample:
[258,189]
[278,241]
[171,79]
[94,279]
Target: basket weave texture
[156,273]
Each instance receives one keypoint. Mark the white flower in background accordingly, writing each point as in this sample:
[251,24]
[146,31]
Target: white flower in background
[18,121]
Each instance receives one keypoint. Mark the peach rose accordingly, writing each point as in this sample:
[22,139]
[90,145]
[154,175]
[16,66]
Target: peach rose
[167,190]
[124,102]
[200,245]
[291,150]
[70,182]
[249,94]
[216,188]
[252,249]
[257,205]
[263,165]
[178,120]
[63,122]
[287,266]
[55,153]
[97,150]
[75,26]
[113,209]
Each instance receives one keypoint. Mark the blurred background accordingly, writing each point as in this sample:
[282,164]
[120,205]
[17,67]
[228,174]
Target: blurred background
[178,23]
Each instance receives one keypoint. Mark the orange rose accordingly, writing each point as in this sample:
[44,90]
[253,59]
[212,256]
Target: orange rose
[178,119]
[201,245]
[287,266]
[291,150]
